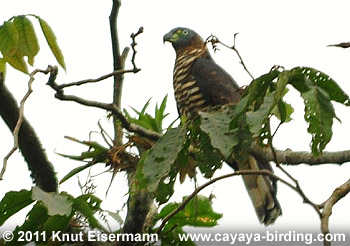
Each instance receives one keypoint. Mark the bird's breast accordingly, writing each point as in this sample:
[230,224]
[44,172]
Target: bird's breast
[187,93]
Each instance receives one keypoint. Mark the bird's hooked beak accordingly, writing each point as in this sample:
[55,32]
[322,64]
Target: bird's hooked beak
[170,37]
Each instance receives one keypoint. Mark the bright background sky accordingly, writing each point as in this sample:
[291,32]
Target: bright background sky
[287,33]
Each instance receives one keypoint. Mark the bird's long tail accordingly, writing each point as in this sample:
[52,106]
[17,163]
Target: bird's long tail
[261,191]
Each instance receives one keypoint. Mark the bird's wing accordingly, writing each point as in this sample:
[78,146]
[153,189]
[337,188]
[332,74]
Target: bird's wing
[215,84]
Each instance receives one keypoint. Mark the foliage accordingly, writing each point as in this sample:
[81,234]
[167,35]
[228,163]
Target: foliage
[18,40]
[51,212]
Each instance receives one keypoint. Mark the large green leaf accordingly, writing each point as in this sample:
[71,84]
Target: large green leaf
[12,202]
[162,156]
[52,42]
[216,125]
[28,43]
[56,204]
[317,89]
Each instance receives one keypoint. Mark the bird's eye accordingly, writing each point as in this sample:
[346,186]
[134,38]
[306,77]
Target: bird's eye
[185,32]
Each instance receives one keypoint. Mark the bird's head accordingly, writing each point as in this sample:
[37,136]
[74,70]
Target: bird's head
[182,37]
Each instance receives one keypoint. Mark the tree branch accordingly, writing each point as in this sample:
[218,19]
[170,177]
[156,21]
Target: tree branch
[103,77]
[131,127]
[337,194]
[289,157]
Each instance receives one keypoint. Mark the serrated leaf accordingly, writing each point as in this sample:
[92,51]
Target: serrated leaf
[56,204]
[52,42]
[28,44]
[12,202]
[87,205]
[162,157]
[198,212]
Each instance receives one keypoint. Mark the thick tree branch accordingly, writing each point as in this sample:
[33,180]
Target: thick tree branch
[29,144]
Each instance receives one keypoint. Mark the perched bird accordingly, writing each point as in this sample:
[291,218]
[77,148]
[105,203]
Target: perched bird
[199,84]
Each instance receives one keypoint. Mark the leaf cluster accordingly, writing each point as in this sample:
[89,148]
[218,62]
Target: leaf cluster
[18,40]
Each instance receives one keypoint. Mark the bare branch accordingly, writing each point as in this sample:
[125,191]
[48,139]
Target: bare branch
[86,81]
[337,194]
[20,118]
[105,106]
[133,44]
[214,40]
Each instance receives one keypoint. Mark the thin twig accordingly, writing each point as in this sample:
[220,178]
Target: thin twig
[20,118]
[103,77]
[199,188]
[133,44]
[214,40]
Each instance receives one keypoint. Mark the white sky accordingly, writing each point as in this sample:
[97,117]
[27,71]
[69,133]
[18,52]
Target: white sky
[287,33]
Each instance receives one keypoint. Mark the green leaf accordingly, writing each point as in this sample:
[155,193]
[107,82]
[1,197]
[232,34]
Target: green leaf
[257,118]
[325,82]
[76,171]
[319,113]
[8,39]
[88,205]
[56,204]
[12,202]
[28,43]
[3,67]
[216,125]
[162,156]
[52,42]
[17,61]
[198,212]
[258,88]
